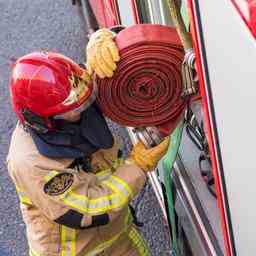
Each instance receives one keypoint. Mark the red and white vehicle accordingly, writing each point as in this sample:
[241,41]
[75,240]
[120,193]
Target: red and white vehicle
[223,35]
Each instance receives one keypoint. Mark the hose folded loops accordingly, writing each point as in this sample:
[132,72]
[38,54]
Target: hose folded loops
[147,85]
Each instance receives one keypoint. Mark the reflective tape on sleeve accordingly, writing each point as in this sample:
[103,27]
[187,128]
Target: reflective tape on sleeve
[91,206]
[120,187]
[120,195]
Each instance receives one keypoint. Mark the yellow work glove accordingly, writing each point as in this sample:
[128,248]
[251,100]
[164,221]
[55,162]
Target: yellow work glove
[102,53]
[147,159]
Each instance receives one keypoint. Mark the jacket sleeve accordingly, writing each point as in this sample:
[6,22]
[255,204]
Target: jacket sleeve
[80,197]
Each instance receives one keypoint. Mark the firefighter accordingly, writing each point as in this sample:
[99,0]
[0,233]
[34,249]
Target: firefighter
[74,187]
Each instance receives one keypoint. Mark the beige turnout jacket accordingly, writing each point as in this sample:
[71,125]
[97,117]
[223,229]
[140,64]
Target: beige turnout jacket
[48,189]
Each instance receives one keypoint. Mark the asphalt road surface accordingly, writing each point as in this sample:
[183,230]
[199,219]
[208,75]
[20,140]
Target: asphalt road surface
[52,25]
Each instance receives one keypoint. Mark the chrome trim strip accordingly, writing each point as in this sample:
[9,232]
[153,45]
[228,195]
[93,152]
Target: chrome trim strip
[194,208]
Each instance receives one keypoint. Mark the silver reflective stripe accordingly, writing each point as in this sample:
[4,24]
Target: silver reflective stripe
[119,197]
[103,175]
[119,186]
[91,206]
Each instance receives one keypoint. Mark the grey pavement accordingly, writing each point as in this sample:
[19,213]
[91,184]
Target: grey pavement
[52,25]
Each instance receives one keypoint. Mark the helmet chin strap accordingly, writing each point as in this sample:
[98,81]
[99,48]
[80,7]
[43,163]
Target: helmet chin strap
[34,121]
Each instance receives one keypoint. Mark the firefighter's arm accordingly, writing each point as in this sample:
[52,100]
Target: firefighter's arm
[124,184]
[78,199]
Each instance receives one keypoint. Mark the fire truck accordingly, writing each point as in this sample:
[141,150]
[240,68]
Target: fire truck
[205,185]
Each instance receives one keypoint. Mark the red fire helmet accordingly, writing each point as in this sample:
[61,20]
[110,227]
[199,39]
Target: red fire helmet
[46,84]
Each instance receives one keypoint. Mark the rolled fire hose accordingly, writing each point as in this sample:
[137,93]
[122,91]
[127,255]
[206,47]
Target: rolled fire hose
[146,87]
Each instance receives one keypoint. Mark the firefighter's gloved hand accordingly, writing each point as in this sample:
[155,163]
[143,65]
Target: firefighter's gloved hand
[102,53]
[147,159]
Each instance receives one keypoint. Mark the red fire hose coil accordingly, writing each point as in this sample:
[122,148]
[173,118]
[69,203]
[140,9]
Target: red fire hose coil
[146,87]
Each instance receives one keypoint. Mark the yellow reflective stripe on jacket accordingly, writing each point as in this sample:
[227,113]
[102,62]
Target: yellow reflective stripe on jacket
[124,184]
[138,242]
[91,206]
[50,175]
[122,198]
[68,241]
[119,186]
[119,197]
[22,196]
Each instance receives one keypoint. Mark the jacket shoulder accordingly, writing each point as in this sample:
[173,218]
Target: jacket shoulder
[24,159]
